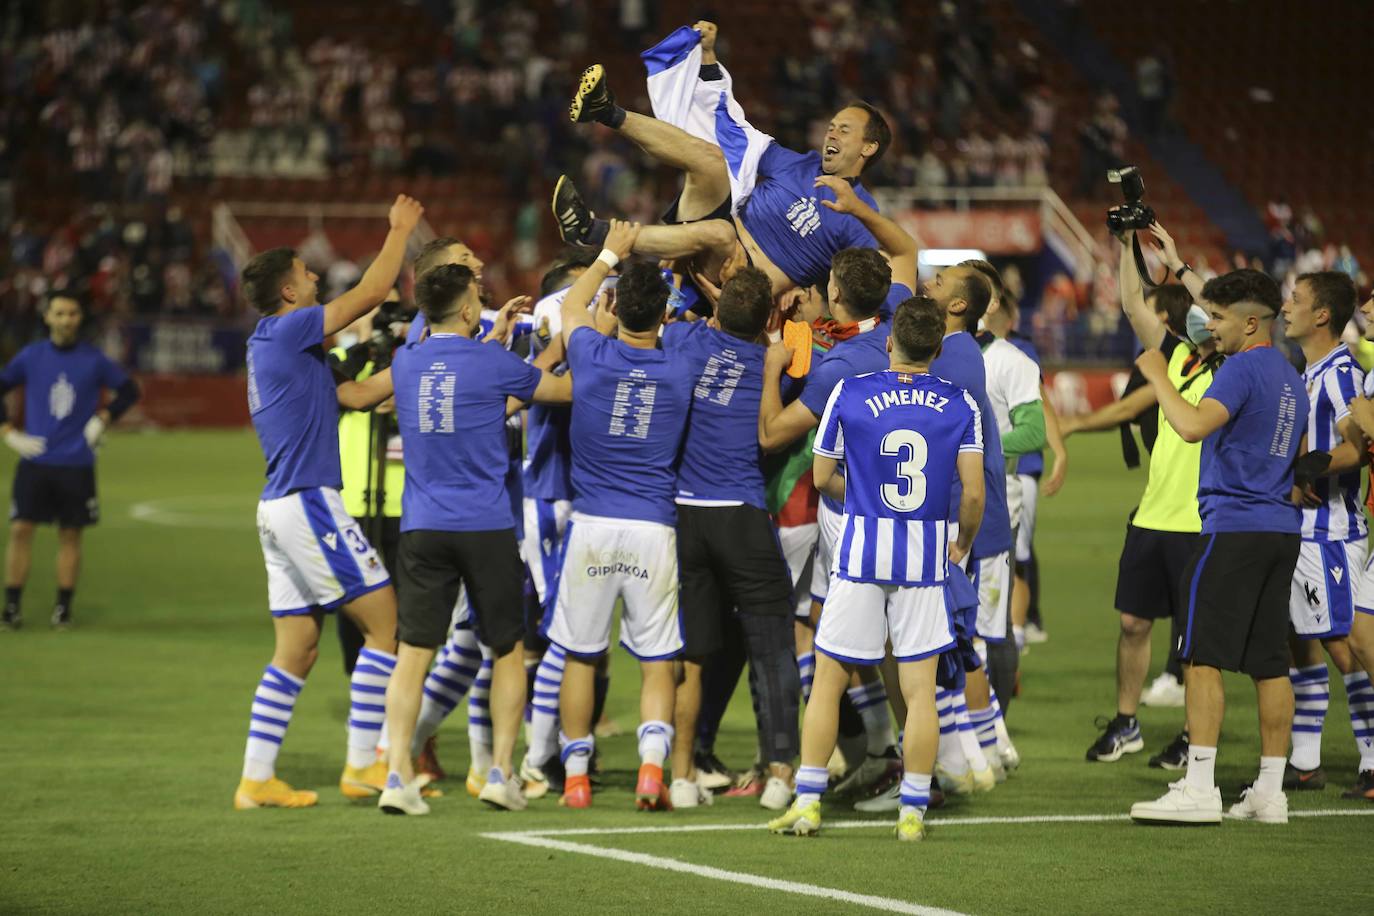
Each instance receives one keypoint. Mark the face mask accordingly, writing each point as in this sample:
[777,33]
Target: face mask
[1197,326]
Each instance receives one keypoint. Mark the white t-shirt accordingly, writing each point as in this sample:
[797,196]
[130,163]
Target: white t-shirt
[1013,380]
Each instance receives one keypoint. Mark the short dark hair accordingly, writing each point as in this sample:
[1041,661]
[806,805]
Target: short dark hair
[560,272]
[976,290]
[1174,300]
[1334,291]
[918,327]
[985,268]
[746,300]
[863,277]
[1242,286]
[263,277]
[641,296]
[432,253]
[437,292]
[63,293]
[875,131]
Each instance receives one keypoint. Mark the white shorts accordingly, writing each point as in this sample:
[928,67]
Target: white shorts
[798,550]
[1030,498]
[831,525]
[991,576]
[1321,602]
[860,617]
[316,555]
[545,522]
[609,558]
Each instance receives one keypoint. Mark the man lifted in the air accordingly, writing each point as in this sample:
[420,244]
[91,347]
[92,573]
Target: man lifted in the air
[745,197]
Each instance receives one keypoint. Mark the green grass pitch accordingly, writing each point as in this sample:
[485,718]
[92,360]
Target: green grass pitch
[123,741]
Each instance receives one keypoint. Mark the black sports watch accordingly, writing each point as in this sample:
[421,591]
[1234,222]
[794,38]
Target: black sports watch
[1178,274]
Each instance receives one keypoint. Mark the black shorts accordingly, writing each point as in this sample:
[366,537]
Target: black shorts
[722,211]
[434,564]
[51,493]
[1235,602]
[1149,579]
[728,558]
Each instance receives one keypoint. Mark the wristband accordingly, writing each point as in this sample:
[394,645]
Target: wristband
[609,258]
[775,336]
[1184,268]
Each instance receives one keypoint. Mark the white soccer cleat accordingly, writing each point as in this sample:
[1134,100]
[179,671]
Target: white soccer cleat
[961,784]
[883,803]
[984,780]
[999,771]
[1036,634]
[777,794]
[536,782]
[1007,753]
[688,793]
[403,799]
[1164,692]
[1267,809]
[506,795]
[1180,805]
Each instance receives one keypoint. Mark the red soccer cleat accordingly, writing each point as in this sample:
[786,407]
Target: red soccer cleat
[650,792]
[428,762]
[577,792]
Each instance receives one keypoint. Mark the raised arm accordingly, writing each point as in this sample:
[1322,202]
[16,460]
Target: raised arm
[381,275]
[1193,424]
[619,243]
[896,242]
[1112,415]
[1169,252]
[780,426]
[1149,330]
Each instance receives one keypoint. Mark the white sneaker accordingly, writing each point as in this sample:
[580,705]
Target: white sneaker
[888,801]
[1007,753]
[687,793]
[1164,691]
[403,799]
[536,783]
[1267,809]
[1034,634]
[505,795]
[1181,805]
[777,794]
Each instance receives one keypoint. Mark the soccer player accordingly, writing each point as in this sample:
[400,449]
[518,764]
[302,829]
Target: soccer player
[903,436]
[1163,532]
[745,197]
[317,558]
[731,561]
[1251,425]
[1322,600]
[64,379]
[629,401]
[457,523]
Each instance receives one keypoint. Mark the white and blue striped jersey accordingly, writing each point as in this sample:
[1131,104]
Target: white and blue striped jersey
[1332,383]
[899,435]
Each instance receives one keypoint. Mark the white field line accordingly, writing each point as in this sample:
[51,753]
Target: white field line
[887,904]
[875,823]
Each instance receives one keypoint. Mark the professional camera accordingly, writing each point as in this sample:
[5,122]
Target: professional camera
[388,331]
[1132,214]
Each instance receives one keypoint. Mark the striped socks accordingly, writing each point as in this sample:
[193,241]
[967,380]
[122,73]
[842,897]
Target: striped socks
[968,737]
[447,683]
[915,793]
[811,783]
[1311,696]
[871,702]
[273,702]
[806,664]
[984,722]
[548,680]
[479,716]
[1359,695]
[655,742]
[950,755]
[367,705]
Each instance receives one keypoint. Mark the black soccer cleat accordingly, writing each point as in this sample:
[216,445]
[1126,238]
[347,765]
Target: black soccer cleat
[1363,788]
[593,100]
[1173,757]
[576,223]
[1118,737]
[1296,780]
[61,617]
[11,619]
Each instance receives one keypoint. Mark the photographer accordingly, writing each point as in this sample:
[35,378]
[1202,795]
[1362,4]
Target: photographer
[366,440]
[1164,529]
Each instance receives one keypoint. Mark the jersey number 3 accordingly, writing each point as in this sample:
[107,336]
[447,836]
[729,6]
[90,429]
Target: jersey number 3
[909,448]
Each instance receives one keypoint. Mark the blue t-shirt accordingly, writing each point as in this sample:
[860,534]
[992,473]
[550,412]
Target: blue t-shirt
[62,387]
[292,399]
[1246,475]
[899,435]
[720,454]
[451,409]
[896,295]
[961,362]
[629,413]
[1032,463]
[785,216]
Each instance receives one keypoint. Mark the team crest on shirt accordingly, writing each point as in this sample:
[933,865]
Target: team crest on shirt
[372,563]
[61,398]
[904,377]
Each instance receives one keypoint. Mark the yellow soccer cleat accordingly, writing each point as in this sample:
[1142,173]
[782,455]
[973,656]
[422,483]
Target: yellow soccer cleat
[802,819]
[271,793]
[911,828]
[363,782]
[475,782]
[963,784]
[984,780]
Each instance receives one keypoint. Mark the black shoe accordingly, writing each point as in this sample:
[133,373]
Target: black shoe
[1296,780]
[11,619]
[555,774]
[712,773]
[1173,757]
[61,617]
[576,224]
[1363,788]
[1119,736]
[593,99]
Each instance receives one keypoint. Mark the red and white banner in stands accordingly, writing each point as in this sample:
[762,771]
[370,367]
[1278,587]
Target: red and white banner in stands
[1079,391]
[1001,232]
